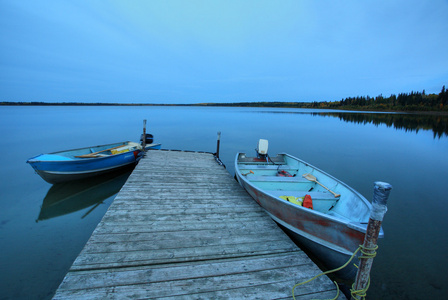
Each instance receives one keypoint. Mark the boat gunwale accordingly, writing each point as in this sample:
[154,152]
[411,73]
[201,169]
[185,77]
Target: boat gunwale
[79,159]
[76,159]
[110,144]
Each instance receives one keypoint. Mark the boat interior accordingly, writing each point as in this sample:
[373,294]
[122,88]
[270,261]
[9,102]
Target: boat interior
[102,151]
[283,181]
[284,177]
[90,152]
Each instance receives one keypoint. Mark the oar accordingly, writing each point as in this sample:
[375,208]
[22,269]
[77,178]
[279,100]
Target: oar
[247,173]
[95,153]
[310,177]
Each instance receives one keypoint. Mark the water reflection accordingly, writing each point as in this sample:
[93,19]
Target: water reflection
[69,197]
[407,122]
[438,124]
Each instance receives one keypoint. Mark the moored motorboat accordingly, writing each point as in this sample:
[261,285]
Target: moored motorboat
[86,162]
[322,213]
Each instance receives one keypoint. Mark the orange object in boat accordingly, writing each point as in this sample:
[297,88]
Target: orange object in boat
[283,173]
[308,202]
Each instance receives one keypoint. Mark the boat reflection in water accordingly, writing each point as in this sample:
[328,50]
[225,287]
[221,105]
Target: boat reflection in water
[69,197]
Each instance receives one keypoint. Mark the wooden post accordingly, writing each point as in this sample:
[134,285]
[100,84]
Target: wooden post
[217,144]
[144,136]
[381,192]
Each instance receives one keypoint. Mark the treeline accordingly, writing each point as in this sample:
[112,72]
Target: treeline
[414,101]
[41,103]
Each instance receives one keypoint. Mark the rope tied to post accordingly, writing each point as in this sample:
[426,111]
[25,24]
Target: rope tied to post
[370,254]
[366,253]
[368,249]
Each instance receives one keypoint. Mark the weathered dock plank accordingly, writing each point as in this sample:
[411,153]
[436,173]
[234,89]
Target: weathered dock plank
[182,227]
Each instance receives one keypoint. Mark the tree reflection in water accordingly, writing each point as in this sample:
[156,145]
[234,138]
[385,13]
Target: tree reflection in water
[407,122]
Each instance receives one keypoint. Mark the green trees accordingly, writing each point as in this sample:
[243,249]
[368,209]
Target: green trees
[442,99]
[415,101]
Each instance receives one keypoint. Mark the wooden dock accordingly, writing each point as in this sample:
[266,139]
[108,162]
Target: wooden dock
[182,227]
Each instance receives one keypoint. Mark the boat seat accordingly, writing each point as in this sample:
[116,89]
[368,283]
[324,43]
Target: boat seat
[322,201]
[264,167]
[253,178]
[314,195]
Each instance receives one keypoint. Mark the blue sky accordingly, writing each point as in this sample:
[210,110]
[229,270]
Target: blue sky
[220,51]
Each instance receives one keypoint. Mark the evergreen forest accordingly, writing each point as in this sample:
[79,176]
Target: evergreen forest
[407,102]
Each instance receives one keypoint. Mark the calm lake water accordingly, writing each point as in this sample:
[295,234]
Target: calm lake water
[40,236]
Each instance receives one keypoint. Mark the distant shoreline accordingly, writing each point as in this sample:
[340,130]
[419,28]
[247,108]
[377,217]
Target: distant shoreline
[243,104]
[410,103]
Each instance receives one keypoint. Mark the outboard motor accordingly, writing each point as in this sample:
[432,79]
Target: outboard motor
[262,149]
[148,138]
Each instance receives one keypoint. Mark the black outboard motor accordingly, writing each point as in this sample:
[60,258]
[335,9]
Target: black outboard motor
[149,139]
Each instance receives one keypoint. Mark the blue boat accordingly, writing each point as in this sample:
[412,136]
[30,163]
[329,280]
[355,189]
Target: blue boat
[86,162]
